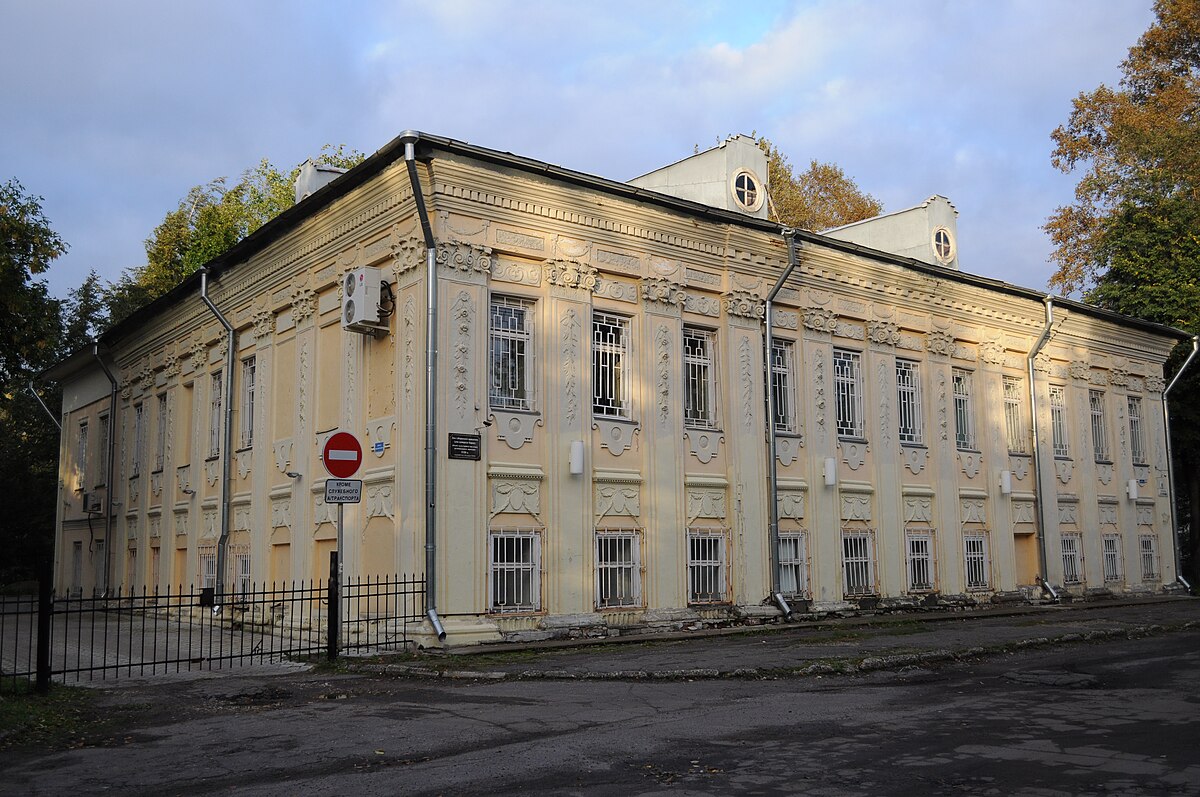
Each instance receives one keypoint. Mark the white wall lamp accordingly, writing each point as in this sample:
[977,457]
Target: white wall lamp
[576,458]
[830,471]
[1132,489]
[1006,482]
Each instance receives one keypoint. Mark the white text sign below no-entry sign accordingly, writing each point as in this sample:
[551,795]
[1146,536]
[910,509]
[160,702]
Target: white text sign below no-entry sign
[342,455]
[343,491]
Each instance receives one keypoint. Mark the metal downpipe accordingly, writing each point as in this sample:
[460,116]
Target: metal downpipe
[772,467]
[1171,464]
[111,477]
[431,353]
[32,389]
[1043,557]
[227,436]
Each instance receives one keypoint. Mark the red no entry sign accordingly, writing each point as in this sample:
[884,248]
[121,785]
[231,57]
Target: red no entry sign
[342,455]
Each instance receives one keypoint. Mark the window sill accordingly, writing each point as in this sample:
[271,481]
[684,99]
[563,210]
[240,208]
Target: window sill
[1061,458]
[861,440]
[913,445]
[968,450]
[513,410]
[244,449]
[1025,454]
[781,433]
[711,429]
[213,458]
[156,471]
[1104,462]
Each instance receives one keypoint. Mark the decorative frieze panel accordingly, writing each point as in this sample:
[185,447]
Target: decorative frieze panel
[283,454]
[657,290]
[938,342]
[787,448]
[915,458]
[618,261]
[1023,511]
[462,317]
[379,434]
[520,273]
[883,333]
[785,319]
[849,330]
[1019,467]
[1107,511]
[790,504]
[1155,384]
[743,304]
[1079,370]
[702,305]
[853,454]
[379,501]
[464,259]
[918,509]
[515,428]
[1063,468]
[617,500]
[972,510]
[1068,512]
[662,368]
[534,243]
[705,502]
[241,518]
[281,513]
[323,512]
[970,462]
[819,319]
[910,342]
[616,436]
[703,444]
[992,352]
[856,506]
[181,524]
[245,461]
[568,360]
[517,496]
[1104,472]
[570,274]
[619,290]
[1145,514]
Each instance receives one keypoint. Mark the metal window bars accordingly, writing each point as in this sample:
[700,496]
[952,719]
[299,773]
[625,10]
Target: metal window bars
[1137,444]
[908,402]
[1071,560]
[247,410]
[1111,547]
[699,378]
[858,563]
[1014,426]
[920,562]
[515,571]
[1058,421]
[1099,426]
[975,561]
[782,379]
[610,354]
[707,574]
[618,568]
[793,563]
[214,415]
[964,417]
[510,331]
[848,388]
[1148,548]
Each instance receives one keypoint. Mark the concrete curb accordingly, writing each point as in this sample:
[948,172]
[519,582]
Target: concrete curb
[845,666]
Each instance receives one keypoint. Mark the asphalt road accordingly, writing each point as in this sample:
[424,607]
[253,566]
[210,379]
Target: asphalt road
[1108,716]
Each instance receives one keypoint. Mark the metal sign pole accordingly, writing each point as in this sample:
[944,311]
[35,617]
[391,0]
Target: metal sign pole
[340,552]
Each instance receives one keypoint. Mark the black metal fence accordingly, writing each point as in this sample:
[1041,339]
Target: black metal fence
[47,637]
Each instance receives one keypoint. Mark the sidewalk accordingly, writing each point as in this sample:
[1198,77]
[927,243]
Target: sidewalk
[844,645]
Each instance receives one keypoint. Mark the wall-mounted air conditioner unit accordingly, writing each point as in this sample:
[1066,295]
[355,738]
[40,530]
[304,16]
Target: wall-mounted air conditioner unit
[92,504]
[361,293]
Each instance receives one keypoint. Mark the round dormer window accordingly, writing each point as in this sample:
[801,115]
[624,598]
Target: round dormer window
[943,246]
[747,190]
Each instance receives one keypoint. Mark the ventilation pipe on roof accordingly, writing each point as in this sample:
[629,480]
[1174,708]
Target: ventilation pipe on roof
[111,479]
[772,468]
[1170,465]
[226,436]
[1043,556]
[410,139]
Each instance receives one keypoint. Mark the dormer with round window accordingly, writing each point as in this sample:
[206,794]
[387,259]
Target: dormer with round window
[730,176]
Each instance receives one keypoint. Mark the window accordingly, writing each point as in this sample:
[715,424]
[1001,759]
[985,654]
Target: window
[241,565]
[610,352]
[155,568]
[908,402]
[1137,444]
[1148,549]
[247,408]
[1072,559]
[515,571]
[793,563]
[160,442]
[858,563]
[964,418]
[783,384]
[76,569]
[943,245]
[139,438]
[208,565]
[699,378]
[746,192]
[847,378]
[618,569]
[103,463]
[706,566]
[1058,420]
[131,570]
[510,331]
[1014,424]
[81,454]
[214,416]
[976,569]
[1099,427]
[920,560]
[1112,557]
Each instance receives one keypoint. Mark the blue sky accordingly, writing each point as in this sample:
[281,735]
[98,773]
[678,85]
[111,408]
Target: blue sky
[112,111]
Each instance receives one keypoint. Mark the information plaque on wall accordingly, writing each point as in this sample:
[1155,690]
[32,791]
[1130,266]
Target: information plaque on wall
[466,446]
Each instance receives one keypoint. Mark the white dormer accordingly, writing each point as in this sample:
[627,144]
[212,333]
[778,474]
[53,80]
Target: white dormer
[730,176]
[927,232]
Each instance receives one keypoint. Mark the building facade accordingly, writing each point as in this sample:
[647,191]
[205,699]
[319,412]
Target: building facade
[606,343]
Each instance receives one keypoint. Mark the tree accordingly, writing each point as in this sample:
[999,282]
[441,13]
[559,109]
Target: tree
[208,221]
[1131,240]
[30,340]
[816,199]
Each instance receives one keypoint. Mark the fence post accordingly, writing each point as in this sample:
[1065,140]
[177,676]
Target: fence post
[335,605]
[45,608]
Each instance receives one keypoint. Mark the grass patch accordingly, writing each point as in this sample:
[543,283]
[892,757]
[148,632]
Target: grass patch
[58,719]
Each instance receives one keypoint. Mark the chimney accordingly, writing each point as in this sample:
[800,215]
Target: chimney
[313,177]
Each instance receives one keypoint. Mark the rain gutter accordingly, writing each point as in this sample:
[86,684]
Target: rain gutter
[1170,462]
[111,472]
[1043,557]
[227,436]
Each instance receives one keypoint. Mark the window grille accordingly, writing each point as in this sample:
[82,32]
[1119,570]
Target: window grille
[908,402]
[1148,548]
[1099,426]
[618,569]
[155,567]
[699,378]
[241,571]
[847,376]
[783,384]
[1112,557]
[515,570]
[1014,425]
[160,442]
[610,352]
[793,563]
[103,451]
[81,454]
[76,569]
[132,578]
[976,566]
[1072,560]
[1058,420]
[214,415]
[510,331]
[139,437]
[964,417]
[858,562]
[1136,442]
[247,412]
[707,579]
[208,565]
[920,560]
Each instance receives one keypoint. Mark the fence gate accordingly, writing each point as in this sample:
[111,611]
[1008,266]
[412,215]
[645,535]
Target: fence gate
[68,638]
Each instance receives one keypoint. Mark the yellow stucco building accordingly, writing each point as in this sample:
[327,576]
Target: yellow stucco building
[607,344]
